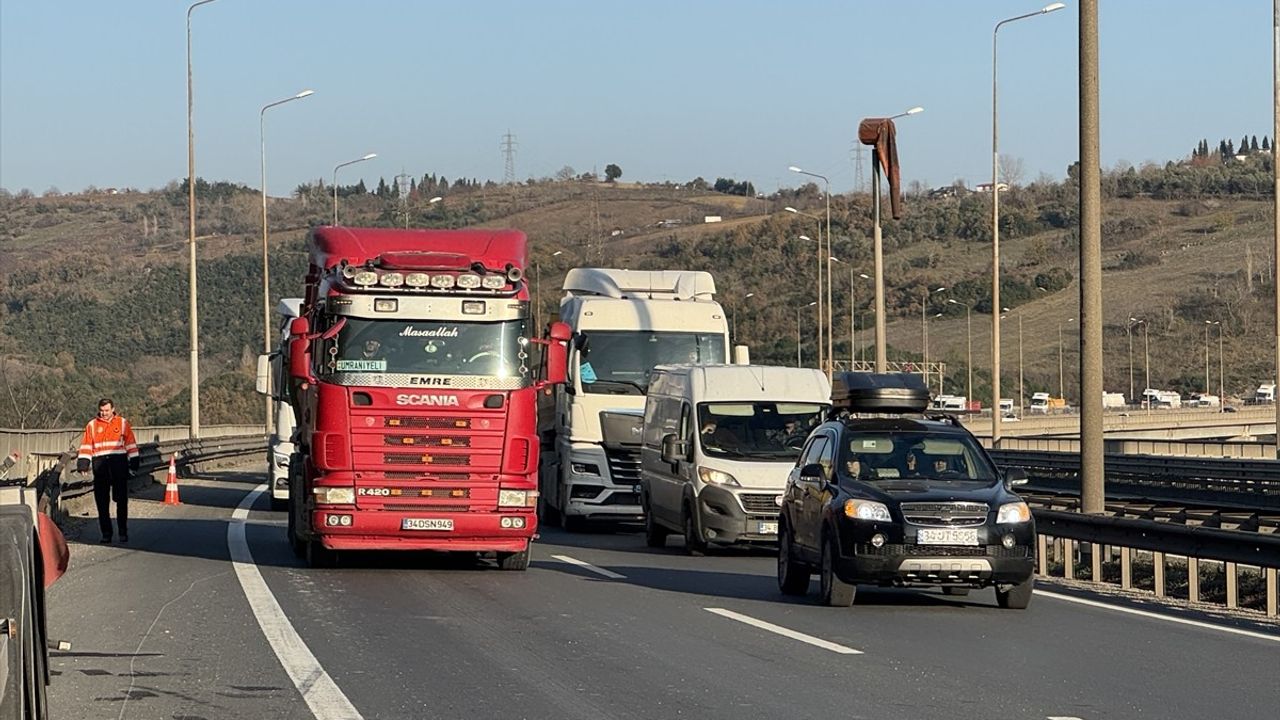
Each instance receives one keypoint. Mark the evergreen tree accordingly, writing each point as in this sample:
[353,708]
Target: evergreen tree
[1253,144]
[360,188]
[382,190]
[1244,144]
[1266,144]
[1231,150]
[1222,149]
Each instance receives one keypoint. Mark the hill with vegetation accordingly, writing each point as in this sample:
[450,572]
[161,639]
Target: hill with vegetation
[94,284]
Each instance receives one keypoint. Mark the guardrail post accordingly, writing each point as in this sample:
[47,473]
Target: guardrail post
[1096,560]
[1193,579]
[1233,586]
[1068,558]
[1126,569]
[1157,562]
[1042,546]
[1272,593]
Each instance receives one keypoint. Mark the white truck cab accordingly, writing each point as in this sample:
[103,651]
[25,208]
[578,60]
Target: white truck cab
[625,323]
[718,443]
[273,375]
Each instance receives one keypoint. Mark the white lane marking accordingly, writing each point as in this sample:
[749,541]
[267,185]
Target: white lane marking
[1062,717]
[588,566]
[785,632]
[1158,616]
[326,701]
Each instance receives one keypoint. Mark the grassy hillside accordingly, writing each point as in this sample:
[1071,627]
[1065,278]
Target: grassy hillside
[94,286]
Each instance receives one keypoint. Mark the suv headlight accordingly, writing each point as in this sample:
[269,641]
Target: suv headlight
[1015,512]
[515,498]
[716,477]
[335,495]
[866,510]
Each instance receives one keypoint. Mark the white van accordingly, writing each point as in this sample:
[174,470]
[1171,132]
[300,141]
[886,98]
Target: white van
[717,444]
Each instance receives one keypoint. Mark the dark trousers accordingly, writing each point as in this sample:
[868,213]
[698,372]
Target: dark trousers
[111,477]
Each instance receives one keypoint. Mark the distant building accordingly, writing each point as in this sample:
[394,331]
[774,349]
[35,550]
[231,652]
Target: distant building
[986,187]
[711,218]
[945,191]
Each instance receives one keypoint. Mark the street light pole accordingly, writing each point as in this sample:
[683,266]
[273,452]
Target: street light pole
[818,303]
[370,156]
[733,320]
[995,223]
[882,348]
[1062,393]
[799,357]
[194,330]
[968,330]
[1128,330]
[266,261]
[830,307]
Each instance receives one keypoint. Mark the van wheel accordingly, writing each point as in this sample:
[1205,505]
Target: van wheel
[1016,597]
[832,591]
[793,575]
[693,542]
[655,536]
[514,560]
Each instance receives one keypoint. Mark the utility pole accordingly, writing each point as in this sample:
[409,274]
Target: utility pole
[1092,478]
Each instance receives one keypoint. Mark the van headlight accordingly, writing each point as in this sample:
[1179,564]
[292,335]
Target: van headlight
[866,510]
[335,495]
[1015,512]
[716,477]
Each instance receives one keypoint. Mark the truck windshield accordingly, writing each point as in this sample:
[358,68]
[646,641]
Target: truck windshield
[423,347]
[889,456]
[770,431]
[620,362]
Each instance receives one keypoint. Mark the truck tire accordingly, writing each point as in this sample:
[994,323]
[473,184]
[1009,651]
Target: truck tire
[793,575]
[319,556]
[295,543]
[278,505]
[1016,597]
[517,561]
[832,591]
[547,514]
[573,523]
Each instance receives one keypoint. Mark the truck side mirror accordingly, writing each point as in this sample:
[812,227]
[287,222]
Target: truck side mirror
[300,360]
[673,448]
[263,379]
[1015,476]
[557,353]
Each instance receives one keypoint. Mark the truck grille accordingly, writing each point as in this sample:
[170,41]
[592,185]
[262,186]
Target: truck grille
[426,441]
[624,466]
[945,514]
[421,476]
[425,459]
[434,423]
[425,507]
[759,503]
[991,551]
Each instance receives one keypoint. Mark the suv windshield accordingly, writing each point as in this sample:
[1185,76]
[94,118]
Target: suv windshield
[885,456]
[620,362]
[768,431]
[422,347]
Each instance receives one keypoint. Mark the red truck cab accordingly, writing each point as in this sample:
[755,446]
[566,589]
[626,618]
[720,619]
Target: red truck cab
[414,375]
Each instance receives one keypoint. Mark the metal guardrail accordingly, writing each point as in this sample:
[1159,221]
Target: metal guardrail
[1180,448]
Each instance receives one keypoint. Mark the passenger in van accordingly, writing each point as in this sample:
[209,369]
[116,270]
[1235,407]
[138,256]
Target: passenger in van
[719,436]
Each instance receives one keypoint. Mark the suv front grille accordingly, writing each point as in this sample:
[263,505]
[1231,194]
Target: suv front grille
[991,551]
[759,503]
[945,514]
[624,466]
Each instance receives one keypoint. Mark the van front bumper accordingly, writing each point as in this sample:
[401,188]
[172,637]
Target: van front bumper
[726,519]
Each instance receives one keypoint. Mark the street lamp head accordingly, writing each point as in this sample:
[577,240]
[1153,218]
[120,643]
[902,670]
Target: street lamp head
[917,109]
[750,294]
[370,156]
[815,302]
[806,237]
[938,315]
[1051,7]
[952,301]
[434,200]
[1005,310]
[864,276]
[558,252]
[939,289]
[791,209]
[793,168]
[303,94]
[833,258]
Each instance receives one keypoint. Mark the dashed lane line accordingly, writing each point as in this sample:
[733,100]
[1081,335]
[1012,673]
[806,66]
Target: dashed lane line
[1159,616]
[785,632]
[326,700]
[588,566]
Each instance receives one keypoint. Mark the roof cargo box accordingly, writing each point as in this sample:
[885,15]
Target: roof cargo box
[860,392]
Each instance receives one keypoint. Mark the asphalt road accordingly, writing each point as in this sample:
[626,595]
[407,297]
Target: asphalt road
[599,627]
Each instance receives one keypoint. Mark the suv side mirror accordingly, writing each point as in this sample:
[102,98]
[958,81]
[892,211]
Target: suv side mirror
[1015,476]
[673,448]
[813,472]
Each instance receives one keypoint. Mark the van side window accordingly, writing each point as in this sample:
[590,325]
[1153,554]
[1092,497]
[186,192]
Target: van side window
[686,432]
[653,421]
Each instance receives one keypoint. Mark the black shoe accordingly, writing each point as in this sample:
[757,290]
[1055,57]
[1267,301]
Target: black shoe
[106,540]
[124,538]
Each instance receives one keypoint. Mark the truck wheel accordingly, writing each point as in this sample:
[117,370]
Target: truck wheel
[1016,597]
[319,556]
[832,591]
[278,505]
[793,575]
[573,523]
[299,547]
[548,515]
[694,544]
[514,560]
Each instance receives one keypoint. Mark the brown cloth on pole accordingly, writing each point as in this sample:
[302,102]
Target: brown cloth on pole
[881,133]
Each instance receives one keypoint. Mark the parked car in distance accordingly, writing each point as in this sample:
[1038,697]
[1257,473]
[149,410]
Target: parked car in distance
[882,496]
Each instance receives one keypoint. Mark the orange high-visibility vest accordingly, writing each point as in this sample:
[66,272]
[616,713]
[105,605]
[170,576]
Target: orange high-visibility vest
[112,437]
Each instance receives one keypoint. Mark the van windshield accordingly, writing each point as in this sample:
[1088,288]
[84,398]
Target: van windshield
[767,431]
[619,362]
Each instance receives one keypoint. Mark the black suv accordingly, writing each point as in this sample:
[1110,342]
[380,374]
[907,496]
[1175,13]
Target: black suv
[883,496]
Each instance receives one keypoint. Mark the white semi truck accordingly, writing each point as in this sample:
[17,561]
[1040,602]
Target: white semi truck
[273,377]
[625,322]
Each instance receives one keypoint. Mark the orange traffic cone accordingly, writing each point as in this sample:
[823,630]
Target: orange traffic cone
[171,484]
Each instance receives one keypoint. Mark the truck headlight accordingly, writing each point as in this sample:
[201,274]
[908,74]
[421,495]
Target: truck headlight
[716,477]
[1016,512]
[516,498]
[866,510]
[335,495]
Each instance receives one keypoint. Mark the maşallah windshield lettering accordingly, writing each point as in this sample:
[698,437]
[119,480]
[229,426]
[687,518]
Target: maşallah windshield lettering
[492,349]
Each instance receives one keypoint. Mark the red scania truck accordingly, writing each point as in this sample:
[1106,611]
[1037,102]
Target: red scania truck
[413,376]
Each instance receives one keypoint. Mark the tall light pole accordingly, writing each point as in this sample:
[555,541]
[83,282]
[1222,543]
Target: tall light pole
[882,349]
[853,323]
[194,330]
[968,331]
[266,261]
[1020,383]
[924,330]
[1207,324]
[799,359]
[820,263]
[1062,393]
[370,156]
[830,308]
[1146,352]
[1222,397]
[733,320]
[995,222]
[1128,330]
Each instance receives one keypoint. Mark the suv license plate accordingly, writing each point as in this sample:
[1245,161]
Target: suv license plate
[426,524]
[767,528]
[947,536]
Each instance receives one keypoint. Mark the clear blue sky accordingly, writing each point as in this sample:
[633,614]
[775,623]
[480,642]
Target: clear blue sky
[93,92]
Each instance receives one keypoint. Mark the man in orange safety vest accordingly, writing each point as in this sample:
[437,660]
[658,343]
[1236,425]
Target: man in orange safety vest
[111,450]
